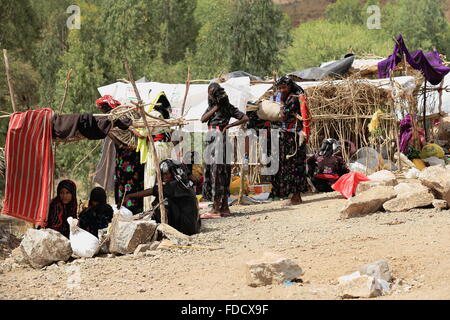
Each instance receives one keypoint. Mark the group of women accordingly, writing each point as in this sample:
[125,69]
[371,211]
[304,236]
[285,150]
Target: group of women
[290,179]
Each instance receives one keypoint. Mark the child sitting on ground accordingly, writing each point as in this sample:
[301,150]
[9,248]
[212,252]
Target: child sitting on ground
[98,214]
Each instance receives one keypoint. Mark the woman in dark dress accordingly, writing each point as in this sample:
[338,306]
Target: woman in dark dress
[291,176]
[62,207]
[98,214]
[326,166]
[218,173]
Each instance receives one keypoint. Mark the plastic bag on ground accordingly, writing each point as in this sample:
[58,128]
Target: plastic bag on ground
[347,184]
[412,173]
[368,157]
[432,150]
[123,211]
[82,242]
[434,161]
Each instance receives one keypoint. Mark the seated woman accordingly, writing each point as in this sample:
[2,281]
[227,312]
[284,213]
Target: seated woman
[98,214]
[62,207]
[327,166]
[181,204]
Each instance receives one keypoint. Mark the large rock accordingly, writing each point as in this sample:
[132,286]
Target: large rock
[43,247]
[126,235]
[409,187]
[367,202]
[385,177]
[271,269]
[359,286]
[367,185]
[437,178]
[378,270]
[174,235]
[409,196]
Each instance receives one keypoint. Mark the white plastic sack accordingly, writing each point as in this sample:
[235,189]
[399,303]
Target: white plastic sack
[358,167]
[368,157]
[82,242]
[412,173]
[434,161]
[123,211]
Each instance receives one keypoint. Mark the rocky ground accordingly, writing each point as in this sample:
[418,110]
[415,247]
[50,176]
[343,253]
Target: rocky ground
[415,243]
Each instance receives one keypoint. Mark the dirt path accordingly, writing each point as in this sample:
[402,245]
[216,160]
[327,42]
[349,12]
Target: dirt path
[415,243]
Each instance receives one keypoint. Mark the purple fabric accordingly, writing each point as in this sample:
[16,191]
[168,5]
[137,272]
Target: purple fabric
[429,63]
[405,133]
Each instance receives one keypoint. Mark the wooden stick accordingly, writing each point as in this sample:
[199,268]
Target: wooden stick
[66,86]
[152,149]
[8,79]
[188,84]
[425,111]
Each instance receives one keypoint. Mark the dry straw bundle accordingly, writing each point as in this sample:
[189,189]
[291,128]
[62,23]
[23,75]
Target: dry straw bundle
[343,110]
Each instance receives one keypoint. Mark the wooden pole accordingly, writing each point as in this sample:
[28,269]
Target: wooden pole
[152,149]
[188,84]
[424,121]
[8,78]
[63,102]
[66,87]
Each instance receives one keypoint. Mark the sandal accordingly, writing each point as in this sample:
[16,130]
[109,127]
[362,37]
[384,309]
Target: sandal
[209,216]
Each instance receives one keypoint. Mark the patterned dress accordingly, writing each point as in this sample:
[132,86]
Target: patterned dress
[291,176]
[218,173]
[129,178]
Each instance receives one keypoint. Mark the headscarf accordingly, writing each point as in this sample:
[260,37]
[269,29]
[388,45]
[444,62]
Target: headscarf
[329,147]
[109,101]
[215,93]
[62,211]
[98,194]
[406,132]
[295,88]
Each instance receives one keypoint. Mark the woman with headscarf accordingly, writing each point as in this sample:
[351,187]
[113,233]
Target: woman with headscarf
[291,176]
[98,214]
[129,172]
[326,166]
[218,173]
[63,206]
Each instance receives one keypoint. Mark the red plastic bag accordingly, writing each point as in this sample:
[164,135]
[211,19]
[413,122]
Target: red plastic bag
[347,184]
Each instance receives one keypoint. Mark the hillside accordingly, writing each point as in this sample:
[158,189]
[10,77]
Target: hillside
[307,10]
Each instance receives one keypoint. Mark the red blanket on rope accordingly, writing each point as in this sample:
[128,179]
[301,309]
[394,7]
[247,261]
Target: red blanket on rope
[29,165]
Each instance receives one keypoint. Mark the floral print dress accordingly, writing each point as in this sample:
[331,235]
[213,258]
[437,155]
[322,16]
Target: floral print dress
[128,178]
[291,176]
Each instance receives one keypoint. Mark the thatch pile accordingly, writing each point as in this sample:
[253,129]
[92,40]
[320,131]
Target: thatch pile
[343,110]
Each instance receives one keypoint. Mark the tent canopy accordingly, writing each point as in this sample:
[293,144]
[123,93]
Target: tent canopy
[239,92]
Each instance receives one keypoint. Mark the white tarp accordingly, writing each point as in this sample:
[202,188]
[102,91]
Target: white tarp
[238,90]
[433,99]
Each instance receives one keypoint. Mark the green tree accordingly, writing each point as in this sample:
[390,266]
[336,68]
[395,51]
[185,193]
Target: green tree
[346,11]
[421,22]
[241,35]
[50,45]
[321,41]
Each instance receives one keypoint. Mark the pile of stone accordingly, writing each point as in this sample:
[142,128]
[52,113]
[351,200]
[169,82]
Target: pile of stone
[40,248]
[383,192]
[372,280]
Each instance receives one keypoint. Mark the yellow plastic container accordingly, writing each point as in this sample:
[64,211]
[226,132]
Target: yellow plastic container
[419,164]
[236,184]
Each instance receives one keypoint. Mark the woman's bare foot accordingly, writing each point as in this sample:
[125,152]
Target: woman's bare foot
[296,199]
[214,213]
[225,209]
